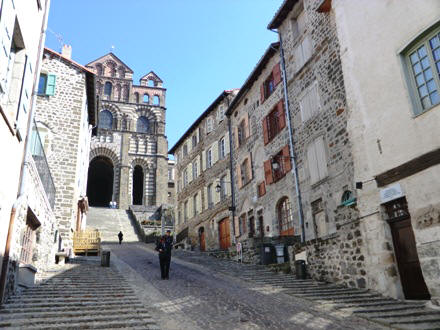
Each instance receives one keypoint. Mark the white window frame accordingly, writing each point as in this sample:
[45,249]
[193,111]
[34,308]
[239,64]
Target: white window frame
[209,158]
[222,148]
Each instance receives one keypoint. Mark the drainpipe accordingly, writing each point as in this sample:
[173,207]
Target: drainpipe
[21,191]
[231,172]
[291,147]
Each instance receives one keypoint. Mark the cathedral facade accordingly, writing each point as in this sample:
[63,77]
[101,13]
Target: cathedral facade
[128,157]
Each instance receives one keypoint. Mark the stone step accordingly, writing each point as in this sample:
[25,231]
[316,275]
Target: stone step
[365,303]
[386,308]
[75,302]
[119,310]
[342,297]
[37,290]
[324,291]
[336,293]
[420,326]
[82,294]
[395,320]
[69,308]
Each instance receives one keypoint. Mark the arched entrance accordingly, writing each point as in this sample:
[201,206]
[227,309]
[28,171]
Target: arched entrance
[100,181]
[202,239]
[138,185]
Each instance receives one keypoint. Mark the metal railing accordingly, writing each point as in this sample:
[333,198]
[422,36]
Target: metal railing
[39,157]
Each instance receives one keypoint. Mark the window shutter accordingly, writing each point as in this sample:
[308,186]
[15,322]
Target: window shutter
[249,166]
[189,170]
[261,189]
[199,202]
[281,114]
[205,197]
[268,171]
[246,126]
[204,160]
[238,171]
[236,137]
[286,159]
[298,56]
[199,164]
[276,74]
[262,93]
[237,227]
[306,48]
[50,87]
[227,143]
[214,153]
[321,158]
[265,130]
[314,99]
[313,165]
[228,185]
[304,105]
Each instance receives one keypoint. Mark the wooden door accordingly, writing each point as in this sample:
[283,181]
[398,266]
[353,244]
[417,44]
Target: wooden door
[411,276]
[224,234]
[202,241]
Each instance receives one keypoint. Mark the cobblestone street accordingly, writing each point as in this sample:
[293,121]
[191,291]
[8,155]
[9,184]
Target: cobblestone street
[198,296]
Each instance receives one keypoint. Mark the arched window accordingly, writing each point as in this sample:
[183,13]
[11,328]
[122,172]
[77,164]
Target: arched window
[136,97]
[142,125]
[121,72]
[146,98]
[105,119]
[150,83]
[99,69]
[108,89]
[285,218]
[156,100]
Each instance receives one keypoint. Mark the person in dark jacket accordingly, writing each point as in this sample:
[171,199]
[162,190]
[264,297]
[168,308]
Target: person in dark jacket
[164,246]
[120,235]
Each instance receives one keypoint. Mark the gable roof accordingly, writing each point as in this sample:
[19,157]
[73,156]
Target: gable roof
[154,74]
[270,51]
[117,59]
[189,131]
[281,14]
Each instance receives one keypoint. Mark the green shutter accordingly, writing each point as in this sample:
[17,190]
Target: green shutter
[50,87]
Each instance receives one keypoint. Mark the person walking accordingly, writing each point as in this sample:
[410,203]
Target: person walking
[164,246]
[120,236]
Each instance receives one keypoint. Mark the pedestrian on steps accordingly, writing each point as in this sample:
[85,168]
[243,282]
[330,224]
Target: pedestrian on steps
[120,236]
[164,247]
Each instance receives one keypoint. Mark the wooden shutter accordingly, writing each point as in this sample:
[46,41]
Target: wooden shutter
[246,126]
[227,143]
[268,171]
[204,160]
[265,130]
[261,189]
[214,153]
[313,164]
[236,137]
[205,198]
[249,166]
[321,157]
[50,87]
[286,159]
[238,172]
[307,48]
[262,93]
[276,74]
[281,114]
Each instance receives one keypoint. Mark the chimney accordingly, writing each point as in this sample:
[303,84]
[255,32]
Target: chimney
[67,51]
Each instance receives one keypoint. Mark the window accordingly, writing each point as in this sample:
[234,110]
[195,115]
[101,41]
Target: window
[221,148]
[142,125]
[185,177]
[274,122]
[270,83]
[298,24]
[260,223]
[209,158]
[317,160]
[223,187]
[170,174]
[277,166]
[251,221]
[156,100]
[136,97]
[105,119]
[319,218]
[194,141]
[99,69]
[285,217]
[242,224]
[209,125]
[303,52]
[146,98]
[108,90]
[46,85]
[241,132]
[244,172]
[151,83]
[221,113]
[185,211]
[185,150]
[209,196]
[195,205]
[423,62]
[195,170]
[310,103]
[261,189]
[28,238]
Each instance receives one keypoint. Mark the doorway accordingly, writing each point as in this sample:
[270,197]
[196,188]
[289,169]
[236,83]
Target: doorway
[202,239]
[100,181]
[138,185]
[224,234]
[411,276]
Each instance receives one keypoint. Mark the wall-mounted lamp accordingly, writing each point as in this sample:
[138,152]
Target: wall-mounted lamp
[360,184]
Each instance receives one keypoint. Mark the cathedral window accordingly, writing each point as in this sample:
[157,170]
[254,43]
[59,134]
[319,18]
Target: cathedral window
[99,69]
[156,100]
[105,119]
[108,89]
[142,125]
[151,83]
[146,98]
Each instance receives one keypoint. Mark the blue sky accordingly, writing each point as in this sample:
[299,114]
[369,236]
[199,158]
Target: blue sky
[197,47]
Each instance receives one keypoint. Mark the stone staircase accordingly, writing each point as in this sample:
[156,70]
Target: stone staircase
[109,222]
[364,303]
[77,296]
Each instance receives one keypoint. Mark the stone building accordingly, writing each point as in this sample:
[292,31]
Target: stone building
[261,162]
[128,158]
[391,74]
[66,111]
[319,114]
[202,173]
[27,222]
[171,183]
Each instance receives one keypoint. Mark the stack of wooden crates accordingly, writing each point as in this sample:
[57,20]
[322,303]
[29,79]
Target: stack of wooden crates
[87,242]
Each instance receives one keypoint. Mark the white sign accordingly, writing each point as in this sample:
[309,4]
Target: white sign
[391,193]
[238,247]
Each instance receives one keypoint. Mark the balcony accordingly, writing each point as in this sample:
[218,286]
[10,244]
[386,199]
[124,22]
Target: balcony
[39,157]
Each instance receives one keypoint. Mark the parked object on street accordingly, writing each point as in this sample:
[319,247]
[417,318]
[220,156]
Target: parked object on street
[105,259]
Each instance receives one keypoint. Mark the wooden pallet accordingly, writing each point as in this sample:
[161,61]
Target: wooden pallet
[87,242]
